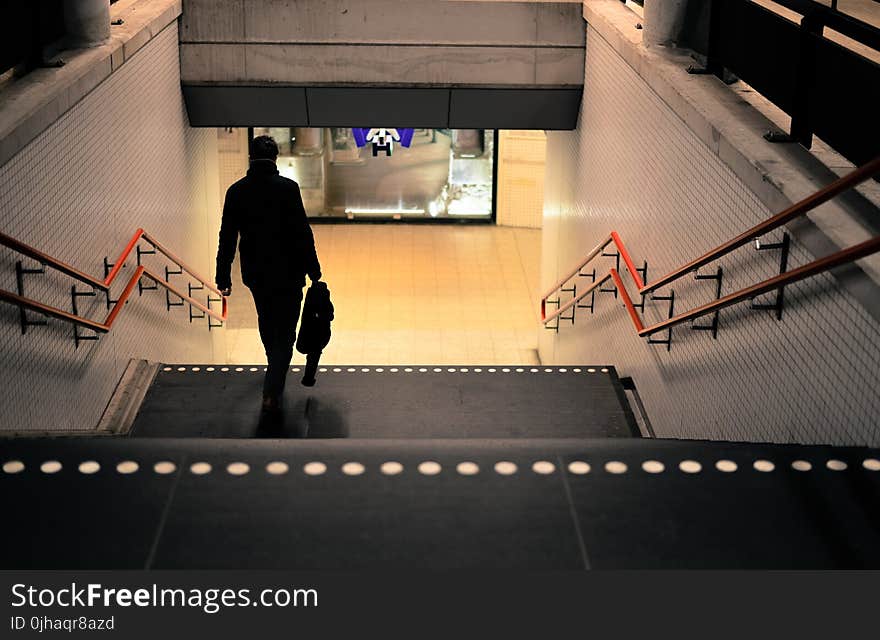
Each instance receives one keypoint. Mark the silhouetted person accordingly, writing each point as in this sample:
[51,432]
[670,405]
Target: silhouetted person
[277,250]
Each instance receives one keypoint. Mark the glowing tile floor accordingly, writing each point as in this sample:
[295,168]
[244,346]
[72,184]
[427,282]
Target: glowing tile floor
[407,294]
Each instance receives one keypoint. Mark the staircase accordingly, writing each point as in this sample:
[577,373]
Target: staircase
[426,467]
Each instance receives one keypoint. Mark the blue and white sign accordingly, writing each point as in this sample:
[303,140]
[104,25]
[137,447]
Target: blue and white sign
[382,139]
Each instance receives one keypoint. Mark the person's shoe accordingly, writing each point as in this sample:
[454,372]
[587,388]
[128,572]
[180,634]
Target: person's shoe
[271,404]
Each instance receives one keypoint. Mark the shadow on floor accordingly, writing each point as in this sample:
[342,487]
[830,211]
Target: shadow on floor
[307,418]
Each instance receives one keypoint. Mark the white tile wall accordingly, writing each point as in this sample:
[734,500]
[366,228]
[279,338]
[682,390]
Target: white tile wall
[633,166]
[232,147]
[521,170]
[123,158]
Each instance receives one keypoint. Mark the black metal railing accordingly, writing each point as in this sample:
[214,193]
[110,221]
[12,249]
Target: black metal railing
[829,90]
[27,29]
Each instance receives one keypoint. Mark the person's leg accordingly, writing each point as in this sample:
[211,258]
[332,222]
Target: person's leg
[283,309]
[266,321]
[261,302]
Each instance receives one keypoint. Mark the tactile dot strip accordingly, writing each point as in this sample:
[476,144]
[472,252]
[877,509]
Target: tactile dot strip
[432,468]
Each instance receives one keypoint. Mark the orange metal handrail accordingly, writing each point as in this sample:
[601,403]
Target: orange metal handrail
[180,263]
[825,194]
[806,205]
[120,303]
[120,261]
[614,238]
[104,285]
[627,260]
[821,265]
[627,301]
[568,305]
[43,258]
[592,254]
[864,249]
[46,310]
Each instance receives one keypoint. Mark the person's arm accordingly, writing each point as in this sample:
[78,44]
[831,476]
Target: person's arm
[227,244]
[307,239]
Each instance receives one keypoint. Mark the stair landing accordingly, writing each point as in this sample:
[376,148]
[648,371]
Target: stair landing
[427,401]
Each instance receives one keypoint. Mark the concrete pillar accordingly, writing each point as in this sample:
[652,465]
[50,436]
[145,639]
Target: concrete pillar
[309,141]
[87,22]
[663,21]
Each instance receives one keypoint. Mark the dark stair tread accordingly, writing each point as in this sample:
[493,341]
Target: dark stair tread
[745,519]
[386,404]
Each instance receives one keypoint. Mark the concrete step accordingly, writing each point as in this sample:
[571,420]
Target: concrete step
[428,401]
[608,503]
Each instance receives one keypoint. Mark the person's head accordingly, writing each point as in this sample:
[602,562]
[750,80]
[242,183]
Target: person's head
[264,148]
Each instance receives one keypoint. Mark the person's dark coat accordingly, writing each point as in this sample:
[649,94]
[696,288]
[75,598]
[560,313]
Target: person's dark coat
[277,246]
[314,329]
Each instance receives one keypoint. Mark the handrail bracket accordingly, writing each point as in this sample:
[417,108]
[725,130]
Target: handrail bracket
[718,277]
[591,275]
[615,255]
[168,303]
[211,324]
[77,337]
[74,294]
[142,287]
[108,267]
[643,272]
[20,273]
[671,300]
[191,288]
[192,316]
[143,252]
[592,305]
[783,246]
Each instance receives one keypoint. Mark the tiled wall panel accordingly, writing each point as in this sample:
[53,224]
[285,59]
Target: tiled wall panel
[521,170]
[233,156]
[123,158]
[633,166]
